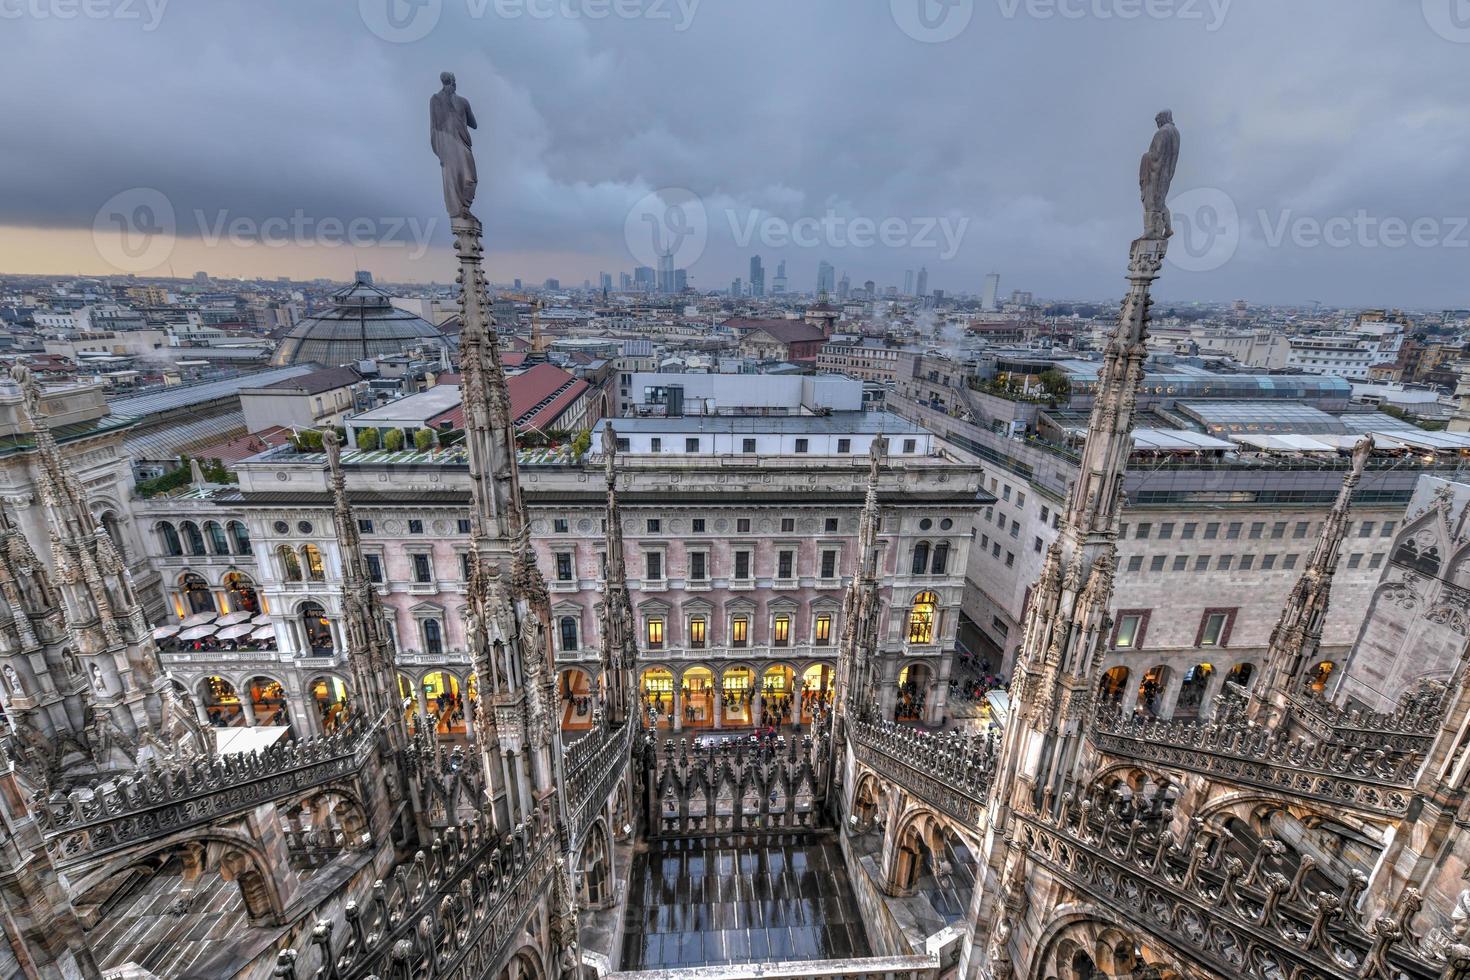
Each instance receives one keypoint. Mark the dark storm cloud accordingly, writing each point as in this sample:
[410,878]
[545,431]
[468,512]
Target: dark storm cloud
[1027,126]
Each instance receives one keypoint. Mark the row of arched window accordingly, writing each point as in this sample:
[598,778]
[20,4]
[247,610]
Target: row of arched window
[303,564]
[189,539]
[924,565]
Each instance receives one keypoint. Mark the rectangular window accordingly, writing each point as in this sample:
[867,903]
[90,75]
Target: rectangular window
[655,525]
[364,525]
[1157,563]
[801,445]
[654,561]
[415,526]
[1135,563]
[1278,530]
[984,541]
[1036,546]
[422,571]
[910,445]
[1257,529]
[1141,531]
[747,445]
[739,631]
[1355,560]
[1020,499]
[844,445]
[1127,636]
[559,525]
[742,524]
[788,525]
[696,633]
[656,444]
[1010,559]
[1301,530]
[1187,533]
[1268,562]
[1006,492]
[691,444]
[1045,513]
[464,525]
[1375,561]
[1224,563]
[1212,531]
[1247,562]
[656,634]
[1365,529]
[563,566]
[831,525]
[829,564]
[698,561]
[1214,630]
[785,562]
[464,565]
[1202,563]
[1015,529]
[1387,530]
[781,631]
[1289,562]
[374,568]
[995,550]
[742,565]
[698,525]
[1166,531]
[1181,563]
[824,630]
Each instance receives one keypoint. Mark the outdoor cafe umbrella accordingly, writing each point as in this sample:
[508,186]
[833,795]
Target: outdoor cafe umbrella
[264,633]
[232,619]
[196,633]
[198,619]
[264,619]
[164,632]
[235,632]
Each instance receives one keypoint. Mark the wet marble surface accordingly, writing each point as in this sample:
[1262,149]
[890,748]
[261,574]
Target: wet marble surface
[722,900]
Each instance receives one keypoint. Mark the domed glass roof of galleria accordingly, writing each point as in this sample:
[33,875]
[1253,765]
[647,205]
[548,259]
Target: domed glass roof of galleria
[362,324]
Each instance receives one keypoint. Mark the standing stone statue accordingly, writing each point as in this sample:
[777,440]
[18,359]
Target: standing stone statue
[1155,174]
[450,122]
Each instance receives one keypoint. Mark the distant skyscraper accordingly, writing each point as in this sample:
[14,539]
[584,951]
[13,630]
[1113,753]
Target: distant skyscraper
[757,276]
[844,288]
[518,285]
[605,278]
[870,288]
[737,288]
[938,296]
[826,279]
[552,285]
[778,285]
[923,285]
[643,279]
[992,290]
[625,282]
[908,283]
[681,280]
[666,273]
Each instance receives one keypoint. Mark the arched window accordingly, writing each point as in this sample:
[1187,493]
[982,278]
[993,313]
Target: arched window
[318,630]
[196,593]
[433,638]
[921,558]
[241,592]
[171,545]
[568,627]
[193,540]
[941,558]
[330,695]
[239,538]
[290,564]
[921,618]
[216,535]
[312,559]
[1114,685]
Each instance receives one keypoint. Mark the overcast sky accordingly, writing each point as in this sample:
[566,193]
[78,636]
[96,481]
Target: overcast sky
[1326,143]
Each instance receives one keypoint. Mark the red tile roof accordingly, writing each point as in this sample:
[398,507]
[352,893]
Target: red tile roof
[243,447]
[538,397]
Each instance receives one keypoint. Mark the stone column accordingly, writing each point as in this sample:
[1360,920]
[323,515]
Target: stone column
[1170,696]
[1212,691]
[247,707]
[678,700]
[221,601]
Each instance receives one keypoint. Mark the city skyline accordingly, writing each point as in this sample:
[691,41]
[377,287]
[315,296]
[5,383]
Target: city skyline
[1347,201]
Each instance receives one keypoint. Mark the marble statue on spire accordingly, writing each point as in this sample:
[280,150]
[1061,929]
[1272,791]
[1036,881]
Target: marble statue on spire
[450,122]
[1155,174]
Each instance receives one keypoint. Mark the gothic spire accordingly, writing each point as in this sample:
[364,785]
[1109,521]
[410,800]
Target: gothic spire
[619,645]
[1298,633]
[370,652]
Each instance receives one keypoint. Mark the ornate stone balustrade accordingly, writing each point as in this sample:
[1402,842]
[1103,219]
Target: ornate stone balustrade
[1256,920]
[454,911]
[734,786]
[156,801]
[857,968]
[951,772]
[592,765]
[1343,774]
[1409,727]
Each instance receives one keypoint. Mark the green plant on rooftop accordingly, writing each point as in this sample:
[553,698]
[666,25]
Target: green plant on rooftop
[582,443]
[423,440]
[214,472]
[1399,413]
[367,439]
[393,440]
[307,440]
